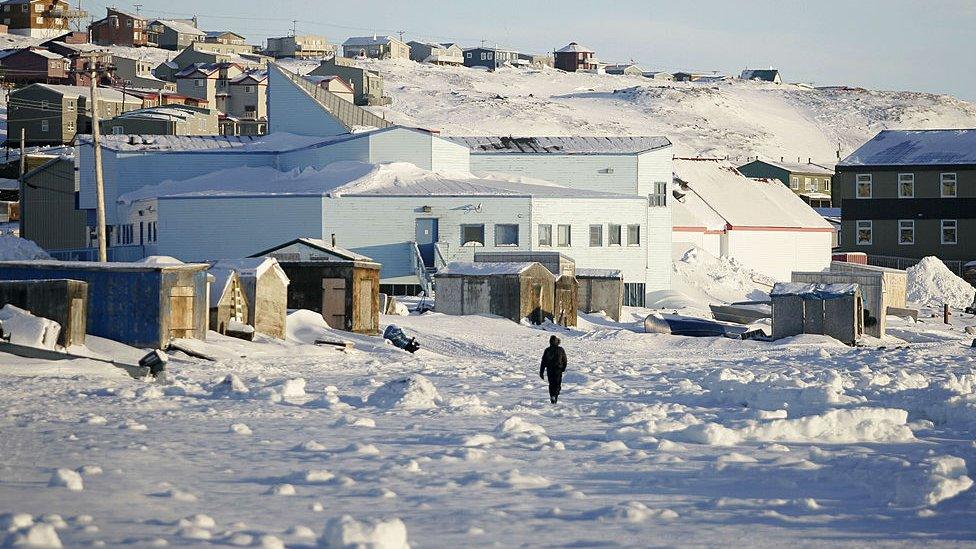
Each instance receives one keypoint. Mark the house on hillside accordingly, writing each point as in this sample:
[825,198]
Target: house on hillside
[225,37]
[209,82]
[810,181]
[119,28]
[37,18]
[367,85]
[79,55]
[536,61]
[764,75]
[712,76]
[490,58]
[910,194]
[626,68]
[375,47]
[574,57]
[334,84]
[758,222]
[34,65]
[659,75]
[138,73]
[54,114]
[172,34]
[302,46]
[436,54]
[165,120]
[246,106]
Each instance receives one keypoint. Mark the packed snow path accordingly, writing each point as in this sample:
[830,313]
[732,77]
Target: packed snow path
[657,440]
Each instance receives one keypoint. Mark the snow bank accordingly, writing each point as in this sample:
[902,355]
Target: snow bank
[13,248]
[27,329]
[931,283]
[160,261]
[411,393]
[305,326]
[67,478]
[935,479]
[347,532]
[38,535]
[703,278]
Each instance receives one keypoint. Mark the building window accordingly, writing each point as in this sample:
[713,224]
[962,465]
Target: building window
[808,183]
[660,196]
[468,55]
[45,125]
[484,56]
[40,20]
[564,236]
[248,89]
[826,184]
[633,294]
[863,186]
[950,234]
[506,235]
[633,235]
[472,235]
[948,186]
[39,8]
[614,235]
[906,232]
[545,235]
[199,82]
[596,236]
[865,233]
[906,185]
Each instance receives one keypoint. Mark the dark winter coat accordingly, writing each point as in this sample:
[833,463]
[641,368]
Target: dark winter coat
[553,361]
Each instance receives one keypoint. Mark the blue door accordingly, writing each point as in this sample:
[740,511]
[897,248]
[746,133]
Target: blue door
[426,238]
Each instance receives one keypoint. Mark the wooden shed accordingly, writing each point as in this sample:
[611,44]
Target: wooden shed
[566,301]
[265,286]
[880,288]
[835,310]
[516,291]
[601,290]
[227,300]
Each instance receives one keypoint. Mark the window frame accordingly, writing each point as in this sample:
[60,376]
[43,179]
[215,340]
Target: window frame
[906,224]
[600,229]
[465,242]
[906,178]
[539,233]
[505,226]
[869,226]
[942,229]
[857,186]
[610,234]
[559,236]
[795,182]
[659,199]
[45,125]
[955,185]
[637,241]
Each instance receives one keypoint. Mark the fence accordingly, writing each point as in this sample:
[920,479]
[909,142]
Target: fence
[903,263]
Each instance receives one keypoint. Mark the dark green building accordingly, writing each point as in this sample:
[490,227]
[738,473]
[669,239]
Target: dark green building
[811,181]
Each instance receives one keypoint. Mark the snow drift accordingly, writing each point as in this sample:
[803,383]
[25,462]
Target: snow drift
[931,283]
[415,392]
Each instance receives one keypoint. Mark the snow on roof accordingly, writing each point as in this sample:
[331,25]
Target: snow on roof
[561,145]
[180,27]
[272,142]
[799,167]
[320,245]
[573,47]
[916,148]
[160,260]
[465,268]
[250,266]
[350,178]
[368,40]
[83,91]
[43,53]
[739,200]
[598,273]
[223,276]
[96,265]
[167,112]
[257,76]
[767,75]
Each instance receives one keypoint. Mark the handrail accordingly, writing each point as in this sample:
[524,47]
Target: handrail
[348,114]
[439,260]
[421,270]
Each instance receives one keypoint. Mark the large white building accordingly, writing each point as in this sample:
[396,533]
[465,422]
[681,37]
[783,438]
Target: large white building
[761,223]
[417,204]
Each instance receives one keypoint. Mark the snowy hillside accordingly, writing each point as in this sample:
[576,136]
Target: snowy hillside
[735,118]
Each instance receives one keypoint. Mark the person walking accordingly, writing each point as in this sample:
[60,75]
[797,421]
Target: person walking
[553,365]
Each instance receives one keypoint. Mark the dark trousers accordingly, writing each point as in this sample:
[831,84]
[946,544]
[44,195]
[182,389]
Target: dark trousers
[555,383]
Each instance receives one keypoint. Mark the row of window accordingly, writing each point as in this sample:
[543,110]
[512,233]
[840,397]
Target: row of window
[906,185]
[507,234]
[809,183]
[949,232]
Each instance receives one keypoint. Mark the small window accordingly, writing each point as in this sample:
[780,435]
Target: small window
[950,234]
[40,20]
[565,235]
[660,196]
[633,294]
[248,89]
[128,23]
[468,55]
[199,82]
[45,126]
[948,186]
[863,186]
[472,235]
[826,184]
[596,236]
[906,185]
[39,8]
[484,56]
[117,130]
[506,234]
[614,235]
[808,183]
[545,235]
[865,233]
[906,232]
[633,235]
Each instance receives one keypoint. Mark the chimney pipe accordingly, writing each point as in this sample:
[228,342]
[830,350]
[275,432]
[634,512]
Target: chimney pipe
[333,240]
[781,159]
[809,160]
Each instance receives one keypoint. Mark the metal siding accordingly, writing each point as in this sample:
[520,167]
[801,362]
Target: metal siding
[401,145]
[449,157]
[196,229]
[577,171]
[292,110]
[319,157]
[779,253]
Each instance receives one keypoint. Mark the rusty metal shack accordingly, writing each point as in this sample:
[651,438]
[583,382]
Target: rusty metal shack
[601,290]
[63,301]
[515,291]
[835,310]
[134,303]
[880,287]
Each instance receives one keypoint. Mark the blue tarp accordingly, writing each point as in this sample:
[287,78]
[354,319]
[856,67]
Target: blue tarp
[813,291]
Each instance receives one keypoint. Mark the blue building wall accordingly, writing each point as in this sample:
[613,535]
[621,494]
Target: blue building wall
[292,110]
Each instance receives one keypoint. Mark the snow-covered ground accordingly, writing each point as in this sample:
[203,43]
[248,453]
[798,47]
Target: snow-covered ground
[736,118]
[657,440]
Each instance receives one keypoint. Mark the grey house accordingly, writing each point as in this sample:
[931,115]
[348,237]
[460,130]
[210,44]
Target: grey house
[910,194]
[434,53]
[490,58]
[53,115]
[367,85]
[138,73]
[811,181]
[171,34]
[47,206]
[764,75]
[164,120]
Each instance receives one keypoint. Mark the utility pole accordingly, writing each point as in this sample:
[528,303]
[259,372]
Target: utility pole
[95,70]
[401,35]
[294,27]
[138,7]
[23,156]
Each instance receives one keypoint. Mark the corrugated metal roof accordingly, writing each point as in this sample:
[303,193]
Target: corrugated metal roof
[916,148]
[561,145]
[573,47]
[180,26]
[464,268]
